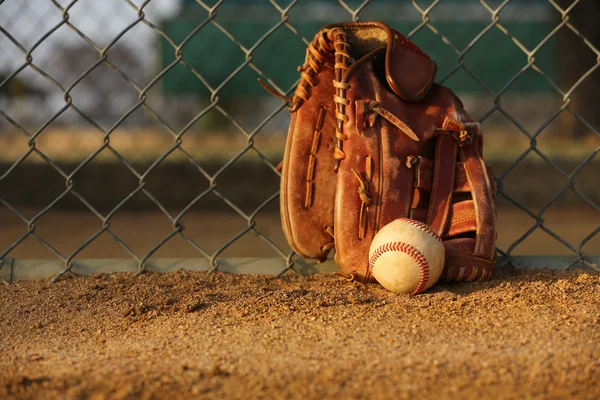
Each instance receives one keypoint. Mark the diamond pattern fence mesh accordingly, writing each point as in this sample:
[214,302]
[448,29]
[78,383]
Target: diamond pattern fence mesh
[138,90]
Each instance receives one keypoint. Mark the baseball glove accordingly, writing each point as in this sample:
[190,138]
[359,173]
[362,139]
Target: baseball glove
[372,138]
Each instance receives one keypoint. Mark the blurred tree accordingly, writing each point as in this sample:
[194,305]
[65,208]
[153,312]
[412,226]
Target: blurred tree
[18,88]
[19,98]
[575,58]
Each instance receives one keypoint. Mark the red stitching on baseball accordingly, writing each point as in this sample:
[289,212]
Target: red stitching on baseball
[406,249]
[424,227]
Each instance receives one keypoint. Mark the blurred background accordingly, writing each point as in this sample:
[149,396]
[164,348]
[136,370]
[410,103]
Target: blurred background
[134,128]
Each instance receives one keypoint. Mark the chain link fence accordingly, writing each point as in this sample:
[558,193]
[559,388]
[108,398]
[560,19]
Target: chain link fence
[163,88]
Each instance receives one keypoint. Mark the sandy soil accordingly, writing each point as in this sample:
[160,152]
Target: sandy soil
[525,334]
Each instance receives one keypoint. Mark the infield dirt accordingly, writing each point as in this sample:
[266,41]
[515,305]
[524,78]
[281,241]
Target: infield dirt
[525,334]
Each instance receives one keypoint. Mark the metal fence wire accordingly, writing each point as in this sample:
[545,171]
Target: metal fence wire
[218,48]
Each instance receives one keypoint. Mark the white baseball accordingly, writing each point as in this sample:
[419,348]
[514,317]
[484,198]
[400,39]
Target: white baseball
[406,256]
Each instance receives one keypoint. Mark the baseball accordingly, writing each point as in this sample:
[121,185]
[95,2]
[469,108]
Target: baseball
[406,256]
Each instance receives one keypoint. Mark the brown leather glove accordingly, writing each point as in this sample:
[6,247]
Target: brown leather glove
[372,139]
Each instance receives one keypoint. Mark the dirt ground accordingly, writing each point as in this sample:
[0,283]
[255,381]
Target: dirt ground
[524,334]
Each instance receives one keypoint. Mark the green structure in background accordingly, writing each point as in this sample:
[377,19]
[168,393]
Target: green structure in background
[495,59]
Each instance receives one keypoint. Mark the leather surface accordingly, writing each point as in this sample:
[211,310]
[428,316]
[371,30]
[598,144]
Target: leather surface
[461,265]
[391,188]
[443,183]
[424,176]
[410,72]
[409,150]
[304,227]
